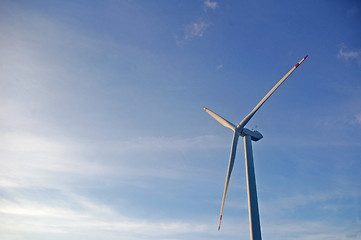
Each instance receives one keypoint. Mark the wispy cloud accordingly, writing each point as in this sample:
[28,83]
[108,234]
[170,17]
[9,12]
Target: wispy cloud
[352,11]
[31,160]
[195,29]
[345,54]
[294,202]
[35,167]
[191,31]
[210,4]
[81,216]
[358,118]
[168,144]
[311,230]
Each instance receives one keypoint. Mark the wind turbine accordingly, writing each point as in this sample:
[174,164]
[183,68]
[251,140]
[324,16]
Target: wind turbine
[248,136]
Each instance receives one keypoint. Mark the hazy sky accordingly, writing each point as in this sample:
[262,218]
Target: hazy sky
[103,135]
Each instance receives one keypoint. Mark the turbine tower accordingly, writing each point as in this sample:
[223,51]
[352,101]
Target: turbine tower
[248,136]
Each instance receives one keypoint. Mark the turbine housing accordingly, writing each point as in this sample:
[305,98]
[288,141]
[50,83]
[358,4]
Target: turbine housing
[255,135]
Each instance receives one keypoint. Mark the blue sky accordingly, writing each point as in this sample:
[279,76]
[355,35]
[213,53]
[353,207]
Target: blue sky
[103,135]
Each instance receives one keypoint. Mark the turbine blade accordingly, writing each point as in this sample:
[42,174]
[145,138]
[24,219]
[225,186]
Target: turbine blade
[221,120]
[229,172]
[250,115]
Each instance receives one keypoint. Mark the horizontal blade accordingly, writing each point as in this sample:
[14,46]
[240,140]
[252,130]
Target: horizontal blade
[221,120]
[229,172]
[250,115]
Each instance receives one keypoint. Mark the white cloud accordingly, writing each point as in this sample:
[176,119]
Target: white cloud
[358,118]
[220,66]
[352,11]
[79,215]
[32,161]
[195,29]
[349,55]
[168,144]
[29,160]
[310,230]
[293,202]
[210,4]
[191,31]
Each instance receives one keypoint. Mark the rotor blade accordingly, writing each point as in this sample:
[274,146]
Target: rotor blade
[250,115]
[229,172]
[221,120]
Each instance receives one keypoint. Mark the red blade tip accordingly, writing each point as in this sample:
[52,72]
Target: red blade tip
[204,108]
[220,220]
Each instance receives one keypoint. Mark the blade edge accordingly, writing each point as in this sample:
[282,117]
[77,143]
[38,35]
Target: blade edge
[220,119]
[229,173]
[264,99]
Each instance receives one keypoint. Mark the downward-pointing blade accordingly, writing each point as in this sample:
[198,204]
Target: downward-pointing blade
[229,172]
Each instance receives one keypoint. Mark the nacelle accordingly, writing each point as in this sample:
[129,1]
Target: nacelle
[255,135]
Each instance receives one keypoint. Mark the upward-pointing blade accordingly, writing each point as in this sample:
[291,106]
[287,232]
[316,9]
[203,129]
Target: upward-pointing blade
[229,172]
[250,115]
